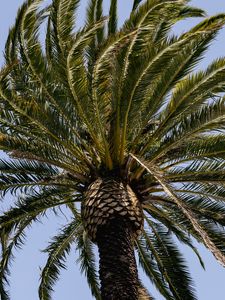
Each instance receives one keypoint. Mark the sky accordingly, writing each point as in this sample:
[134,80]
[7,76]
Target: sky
[25,271]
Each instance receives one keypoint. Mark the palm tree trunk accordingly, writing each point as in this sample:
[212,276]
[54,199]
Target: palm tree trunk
[113,219]
[117,265]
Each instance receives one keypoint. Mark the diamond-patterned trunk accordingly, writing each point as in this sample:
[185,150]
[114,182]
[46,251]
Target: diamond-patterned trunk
[113,219]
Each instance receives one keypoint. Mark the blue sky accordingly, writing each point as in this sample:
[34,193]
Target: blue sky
[26,268]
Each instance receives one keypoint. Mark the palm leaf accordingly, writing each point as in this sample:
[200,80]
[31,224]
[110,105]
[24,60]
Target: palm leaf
[185,209]
[87,263]
[63,16]
[112,26]
[136,3]
[15,242]
[151,269]
[57,251]
[173,227]
[33,205]
[170,262]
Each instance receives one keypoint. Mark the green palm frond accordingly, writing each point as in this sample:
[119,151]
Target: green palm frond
[170,262]
[24,175]
[42,152]
[159,88]
[94,14]
[206,119]
[188,213]
[77,76]
[160,214]
[102,87]
[21,175]
[202,34]
[10,243]
[64,26]
[39,68]
[209,225]
[145,37]
[34,205]
[86,260]
[205,169]
[136,3]
[31,115]
[206,208]
[112,26]
[172,212]
[200,148]
[209,190]
[211,81]
[24,166]
[57,252]
[151,269]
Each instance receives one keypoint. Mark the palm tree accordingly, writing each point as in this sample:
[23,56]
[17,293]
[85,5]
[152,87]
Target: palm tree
[118,120]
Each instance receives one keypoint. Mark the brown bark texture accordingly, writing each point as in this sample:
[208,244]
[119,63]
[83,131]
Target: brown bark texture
[113,219]
[117,265]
